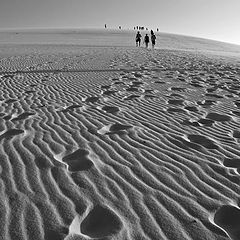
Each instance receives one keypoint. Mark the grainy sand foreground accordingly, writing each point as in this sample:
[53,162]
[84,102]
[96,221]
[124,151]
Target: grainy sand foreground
[118,143]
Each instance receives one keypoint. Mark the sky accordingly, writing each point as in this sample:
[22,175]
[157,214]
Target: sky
[212,19]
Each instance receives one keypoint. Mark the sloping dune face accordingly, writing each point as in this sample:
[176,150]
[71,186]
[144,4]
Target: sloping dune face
[121,143]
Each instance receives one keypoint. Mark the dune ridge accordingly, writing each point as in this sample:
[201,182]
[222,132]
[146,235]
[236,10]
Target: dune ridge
[118,143]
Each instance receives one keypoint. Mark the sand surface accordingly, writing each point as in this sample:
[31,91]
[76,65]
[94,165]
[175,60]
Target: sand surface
[103,140]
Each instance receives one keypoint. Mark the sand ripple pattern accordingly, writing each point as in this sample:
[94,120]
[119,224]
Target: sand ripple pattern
[148,149]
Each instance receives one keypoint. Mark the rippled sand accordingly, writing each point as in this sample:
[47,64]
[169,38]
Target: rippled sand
[118,142]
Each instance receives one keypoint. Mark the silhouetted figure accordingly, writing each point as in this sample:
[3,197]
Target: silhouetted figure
[157,29]
[105,26]
[134,28]
[146,28]
[138,39]
[137,27]
[153,39]
[146,40]
[120,27]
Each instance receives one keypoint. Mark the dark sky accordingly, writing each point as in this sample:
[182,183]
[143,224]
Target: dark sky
[214,19]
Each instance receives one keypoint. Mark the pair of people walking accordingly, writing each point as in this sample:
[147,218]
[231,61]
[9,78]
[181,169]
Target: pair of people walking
[146,39]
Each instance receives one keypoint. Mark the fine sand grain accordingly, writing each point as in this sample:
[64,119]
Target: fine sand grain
[118,142]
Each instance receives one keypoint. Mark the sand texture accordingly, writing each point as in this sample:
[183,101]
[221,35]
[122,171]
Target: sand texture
[118,143]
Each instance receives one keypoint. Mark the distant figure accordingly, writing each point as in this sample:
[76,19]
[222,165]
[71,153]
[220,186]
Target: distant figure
[105,26]
[146,40]
[152,32]
[146,28]
[153,39]
[134,28]
[138,39]
[120,27]
[137,27]
[157,29]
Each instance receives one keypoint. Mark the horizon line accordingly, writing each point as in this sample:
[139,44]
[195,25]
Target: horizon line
[111,29]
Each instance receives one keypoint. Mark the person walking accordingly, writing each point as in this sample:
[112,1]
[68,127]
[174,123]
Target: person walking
[153,39]
[138,39]
[146,40]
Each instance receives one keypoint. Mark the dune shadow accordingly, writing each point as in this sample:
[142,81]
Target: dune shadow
[23,116]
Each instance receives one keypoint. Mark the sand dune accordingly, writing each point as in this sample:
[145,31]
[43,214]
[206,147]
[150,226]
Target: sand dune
[118,143]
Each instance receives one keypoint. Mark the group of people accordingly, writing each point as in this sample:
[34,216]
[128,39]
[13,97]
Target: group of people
[146,39]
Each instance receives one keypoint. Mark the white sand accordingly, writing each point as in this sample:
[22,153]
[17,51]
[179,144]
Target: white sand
[103,140]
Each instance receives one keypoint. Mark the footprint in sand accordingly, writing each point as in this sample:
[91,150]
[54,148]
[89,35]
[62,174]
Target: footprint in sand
[191,123]
[206,122]
[176,110]
[131,97]
[236,134]
[137,83]
[11,133]
[43,163]
[115,128]
[219,117]
[192,108]
[160,82]
[176,102]
[176,95]
[93,99]
[231,162]
[228,218]
[70,108]
[203,141]
[23,116]
[132,89]
[110,109]
[109,92]
[78,161]
[101,222]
